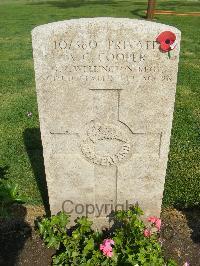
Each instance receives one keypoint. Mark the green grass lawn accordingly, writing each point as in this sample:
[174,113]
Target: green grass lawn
[20,150]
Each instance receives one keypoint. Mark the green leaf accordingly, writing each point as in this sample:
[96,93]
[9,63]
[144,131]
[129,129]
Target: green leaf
[53,242]
[89,246]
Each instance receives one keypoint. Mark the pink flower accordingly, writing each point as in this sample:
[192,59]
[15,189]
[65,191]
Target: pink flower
[106,247]
[147,233]
[108,242]
[156,221]
[186,264]
[109,254]
[158,224]
[152,219]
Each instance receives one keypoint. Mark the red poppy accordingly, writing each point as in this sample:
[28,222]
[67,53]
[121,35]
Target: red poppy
[167,40]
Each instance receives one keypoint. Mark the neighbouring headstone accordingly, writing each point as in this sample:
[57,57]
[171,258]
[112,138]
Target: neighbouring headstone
[106,96]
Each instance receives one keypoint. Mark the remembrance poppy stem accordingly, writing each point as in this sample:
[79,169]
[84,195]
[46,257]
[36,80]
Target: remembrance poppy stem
[169,55]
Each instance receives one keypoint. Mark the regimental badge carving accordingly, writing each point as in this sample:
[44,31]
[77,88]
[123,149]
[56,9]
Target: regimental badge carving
[105,145]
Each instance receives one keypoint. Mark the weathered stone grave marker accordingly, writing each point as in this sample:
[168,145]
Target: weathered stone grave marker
[106,97]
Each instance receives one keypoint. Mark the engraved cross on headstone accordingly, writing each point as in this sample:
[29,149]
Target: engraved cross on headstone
[107,143]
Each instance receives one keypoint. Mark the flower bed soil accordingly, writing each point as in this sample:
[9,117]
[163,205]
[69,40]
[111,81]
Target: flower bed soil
[21,245]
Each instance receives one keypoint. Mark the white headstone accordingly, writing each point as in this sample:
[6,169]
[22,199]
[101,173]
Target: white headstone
[106,97]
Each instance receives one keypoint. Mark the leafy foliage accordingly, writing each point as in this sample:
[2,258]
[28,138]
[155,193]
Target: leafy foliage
[80,244]
[8,196]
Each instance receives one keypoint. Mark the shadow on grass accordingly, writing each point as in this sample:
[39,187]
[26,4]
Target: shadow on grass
[33,144]
[3,172]
[139,13]
[169,5]
[76,4]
